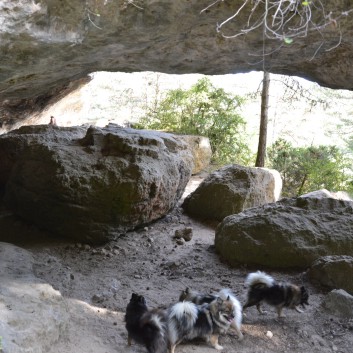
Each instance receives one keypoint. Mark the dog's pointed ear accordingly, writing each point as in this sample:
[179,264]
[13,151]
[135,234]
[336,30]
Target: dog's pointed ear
[303,290]
[141,299]
[133,296]
[184,294]
[228,298]
[305,295]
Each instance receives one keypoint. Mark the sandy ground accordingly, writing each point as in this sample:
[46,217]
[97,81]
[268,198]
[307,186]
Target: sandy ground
[97,283]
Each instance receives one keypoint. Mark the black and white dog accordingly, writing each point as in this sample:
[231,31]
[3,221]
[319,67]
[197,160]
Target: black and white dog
[187,320]
[199,298]
[263,288]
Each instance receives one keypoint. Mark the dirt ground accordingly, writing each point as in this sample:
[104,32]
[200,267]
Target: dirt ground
[97,283]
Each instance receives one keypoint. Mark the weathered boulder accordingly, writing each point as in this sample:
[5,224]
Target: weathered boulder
[231,190]
[33,314]
[291,233]
[335,272]
[94,188]
[14,145]
[338,302]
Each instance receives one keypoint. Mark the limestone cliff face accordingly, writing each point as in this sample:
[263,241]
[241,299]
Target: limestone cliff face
[45,45]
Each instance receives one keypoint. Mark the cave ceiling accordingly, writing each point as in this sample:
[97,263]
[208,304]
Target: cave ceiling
[48,47]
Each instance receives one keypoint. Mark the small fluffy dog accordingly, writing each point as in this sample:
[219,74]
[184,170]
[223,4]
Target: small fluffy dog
[187,320]
[199,298]
[262,287]
[148,327]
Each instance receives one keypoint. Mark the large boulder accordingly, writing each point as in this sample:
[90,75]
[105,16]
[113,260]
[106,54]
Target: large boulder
[14,144]
[291,233]
[335,272]
[96,187]
[33,314]
[231,190]
[340,303]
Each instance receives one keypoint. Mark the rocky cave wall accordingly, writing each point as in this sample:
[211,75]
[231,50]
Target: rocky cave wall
[47,45]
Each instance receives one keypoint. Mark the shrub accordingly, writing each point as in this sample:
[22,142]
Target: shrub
[306,169]
[207,111]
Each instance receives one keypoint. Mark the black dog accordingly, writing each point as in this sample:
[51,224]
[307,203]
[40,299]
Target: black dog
[147,327]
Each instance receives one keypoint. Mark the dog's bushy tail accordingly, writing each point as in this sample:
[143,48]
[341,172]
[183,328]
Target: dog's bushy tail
[182,317]
[155,333]
[256,278]
[226,293]
[184,312]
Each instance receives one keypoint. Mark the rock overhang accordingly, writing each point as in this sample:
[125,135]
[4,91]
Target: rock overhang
[46,45]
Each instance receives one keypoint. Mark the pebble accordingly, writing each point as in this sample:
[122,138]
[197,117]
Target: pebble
[51,259]
[187,235]
[97,298]
[180,241]
[183,233]
[269,334]
[172,264]
[178,234]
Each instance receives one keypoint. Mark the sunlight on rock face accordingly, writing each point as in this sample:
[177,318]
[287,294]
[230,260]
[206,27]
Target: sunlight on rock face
[31,306]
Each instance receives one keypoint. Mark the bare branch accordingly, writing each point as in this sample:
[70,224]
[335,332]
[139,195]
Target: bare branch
[316,51]
[132,3]
[284,20]
[235,15]
[338,44]
[206,8]
[89,12]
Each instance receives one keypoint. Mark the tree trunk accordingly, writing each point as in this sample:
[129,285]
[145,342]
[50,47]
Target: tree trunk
[261,149]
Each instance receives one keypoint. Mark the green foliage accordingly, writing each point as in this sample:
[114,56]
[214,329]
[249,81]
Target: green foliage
[288,40]
[306,169]
[206,111]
